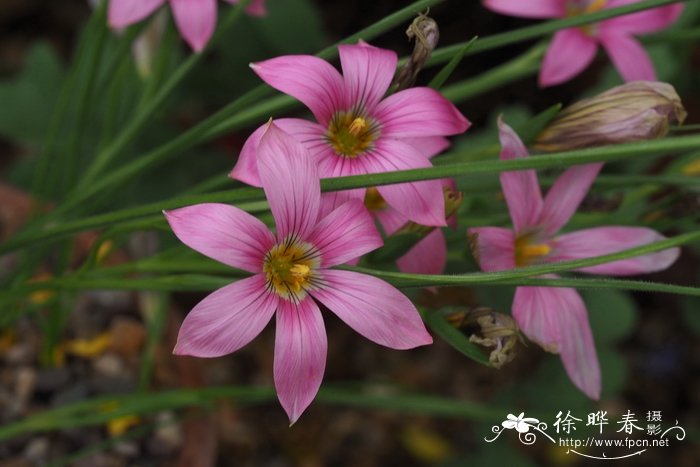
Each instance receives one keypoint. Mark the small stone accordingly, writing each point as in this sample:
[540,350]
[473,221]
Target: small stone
[108,365]
[37,451]
[128,449]
[167,438]
[25,383]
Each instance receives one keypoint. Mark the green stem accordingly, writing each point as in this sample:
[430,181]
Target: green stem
[444,54]
[145,113]
[40,186]
[555,160]
[522,66]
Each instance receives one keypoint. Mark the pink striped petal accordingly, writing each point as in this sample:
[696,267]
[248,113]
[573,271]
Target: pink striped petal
[333,200]
[527,9]
[565,196]
[367,72]
[255,8]
[493,248]
[390,219]
[556,318]
[300,355]
[629,57]
[310,79]
[604,240]
[373,308]
[196,20]
[422,202]
[122,13]
[227,319]
[429,146]
[427,256]
[643,22]
[570,52]
[310,134]
[419,112]
[520,188]
[224,233]
[346,233]
[290,180]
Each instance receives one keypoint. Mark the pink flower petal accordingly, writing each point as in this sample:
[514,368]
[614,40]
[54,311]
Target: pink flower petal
[346,233]
[300,355]
[559,64]
[373,308]
[565,196]
[493,247]
[556,318]
[604,240]
[427,256]
[422,202]
[527,9]
[520,188]
[368,72]
[310,79]
[390,219]
[643,22]
[429,146]
[255,8]
[332,200]
[227,319]
[290,180]
[123,13]
[196,20]
[310,134]
[224,233]
[419,112]
[629,57]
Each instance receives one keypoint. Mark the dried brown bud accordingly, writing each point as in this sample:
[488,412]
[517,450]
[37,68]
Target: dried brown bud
[490,329]
[424,30]
[634,111]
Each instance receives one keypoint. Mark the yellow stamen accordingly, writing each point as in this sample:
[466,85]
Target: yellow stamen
[350,135]
[533,251]
[527,253]
[357,125]
[595,6]
[289,268]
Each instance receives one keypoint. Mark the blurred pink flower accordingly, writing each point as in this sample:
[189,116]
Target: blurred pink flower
[358,132]
[554,317]
[290,270]
[196,19]
[572,50]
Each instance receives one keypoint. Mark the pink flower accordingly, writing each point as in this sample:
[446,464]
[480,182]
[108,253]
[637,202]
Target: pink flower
[572,50]
[195,19]
[291,273]
[358,132]
[429,254]
[556,318]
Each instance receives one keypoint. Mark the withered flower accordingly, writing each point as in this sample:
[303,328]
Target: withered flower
[635,111]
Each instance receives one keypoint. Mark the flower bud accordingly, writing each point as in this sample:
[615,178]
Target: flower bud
[634,111]
[426,33]
[489,328]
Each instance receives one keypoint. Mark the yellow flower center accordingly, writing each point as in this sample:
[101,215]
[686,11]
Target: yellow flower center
[527,252]
[582,7]
[289,269]
[350,134]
